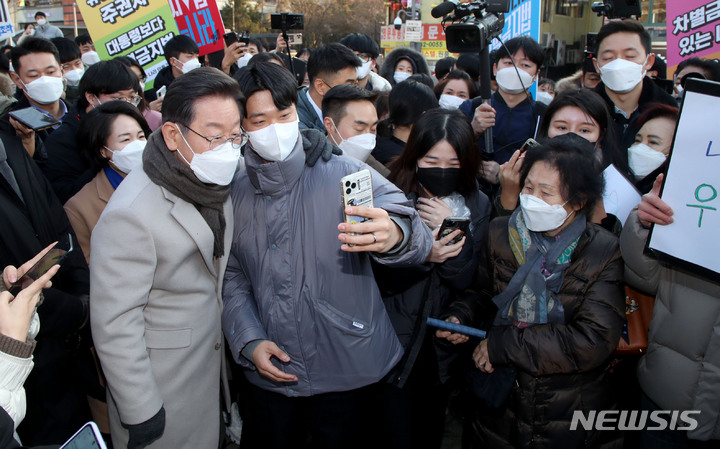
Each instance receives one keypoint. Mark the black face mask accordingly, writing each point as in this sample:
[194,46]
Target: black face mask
[439,181]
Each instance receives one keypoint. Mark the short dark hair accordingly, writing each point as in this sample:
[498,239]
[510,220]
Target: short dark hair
[711,66]
[258,43]
[83,39]
[67,49]
[335,101]
[96,126]
[422,78]
[444,66]
[302,51]
[574,158]
[266,57]
[546,81]
[469,63]
[106,77]
[361,43]
[658,110]
[40,13]
[331,58]
[408,101]
[432,127]
[592,104]
[456,75]
[130,62]
[180,44]
[267,76]
[179,101]
[528,45]
[32,45]
[625,26]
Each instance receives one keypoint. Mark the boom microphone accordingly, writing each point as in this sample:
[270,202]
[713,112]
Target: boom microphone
[444,8]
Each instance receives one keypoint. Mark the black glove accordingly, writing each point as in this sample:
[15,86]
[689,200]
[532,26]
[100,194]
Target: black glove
[144,434]
[312,155]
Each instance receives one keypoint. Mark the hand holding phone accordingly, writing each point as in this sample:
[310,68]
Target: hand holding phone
[33,119]
[161,92]
[55,255]
[452,224]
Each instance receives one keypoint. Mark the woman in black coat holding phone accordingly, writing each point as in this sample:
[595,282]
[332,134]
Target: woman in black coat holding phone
[437,171]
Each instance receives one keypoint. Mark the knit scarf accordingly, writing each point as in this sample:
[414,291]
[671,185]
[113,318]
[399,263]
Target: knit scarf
[165,170]
[531,295]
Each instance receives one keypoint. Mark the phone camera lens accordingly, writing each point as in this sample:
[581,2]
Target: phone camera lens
[347,184]
[347,191]
[353,185]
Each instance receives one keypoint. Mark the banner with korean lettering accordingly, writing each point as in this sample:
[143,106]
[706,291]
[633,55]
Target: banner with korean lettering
[522,20]
[693,31]
[6,26]
[135,28]
[201,21]
[432,40]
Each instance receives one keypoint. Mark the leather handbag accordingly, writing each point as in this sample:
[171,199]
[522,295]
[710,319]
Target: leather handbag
[638,314]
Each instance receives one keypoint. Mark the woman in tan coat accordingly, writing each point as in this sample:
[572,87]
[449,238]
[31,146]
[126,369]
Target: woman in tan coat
[112,137]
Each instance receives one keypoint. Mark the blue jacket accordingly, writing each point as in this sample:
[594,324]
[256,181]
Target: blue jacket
[306,112]
[513,126]
[288,281]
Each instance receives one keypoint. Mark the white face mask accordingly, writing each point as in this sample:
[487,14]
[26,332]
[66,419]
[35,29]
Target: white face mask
[643,160]
[142,86]
[73,76]
[275,142]
[540,216]
[544,98]
[217,166]
[364,69]
[45,90]
[189,66]
[358,147]
[399,77]
[41,22]
[450,101]
[621,76]
[509,81]
[129,157]
[31,32]
[243,61]
[90,58]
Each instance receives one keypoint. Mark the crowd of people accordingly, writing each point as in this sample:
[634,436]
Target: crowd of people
[226,284]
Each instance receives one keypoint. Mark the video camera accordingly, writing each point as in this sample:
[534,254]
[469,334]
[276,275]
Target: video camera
[479,22]
[617,9]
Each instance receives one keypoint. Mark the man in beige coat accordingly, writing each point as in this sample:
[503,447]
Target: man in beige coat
[159,253]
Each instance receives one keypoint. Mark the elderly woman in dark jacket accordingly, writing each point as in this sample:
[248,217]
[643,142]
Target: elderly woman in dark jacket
[437,171]
[559,292]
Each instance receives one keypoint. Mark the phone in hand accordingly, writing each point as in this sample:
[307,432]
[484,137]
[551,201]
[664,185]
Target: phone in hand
[450,225]
[34,119]
[88,437]
[161,92]
[357,190]
[530,143]
[55,256]
[230,38]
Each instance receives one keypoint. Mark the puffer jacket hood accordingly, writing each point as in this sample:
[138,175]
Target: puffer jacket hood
[388,68]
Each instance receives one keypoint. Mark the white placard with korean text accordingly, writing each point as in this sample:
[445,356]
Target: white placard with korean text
[692,185]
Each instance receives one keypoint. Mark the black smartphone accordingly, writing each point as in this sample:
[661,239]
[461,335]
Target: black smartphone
[450,225]
[34,119]
[244,37]
[230,38]
[53,257]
